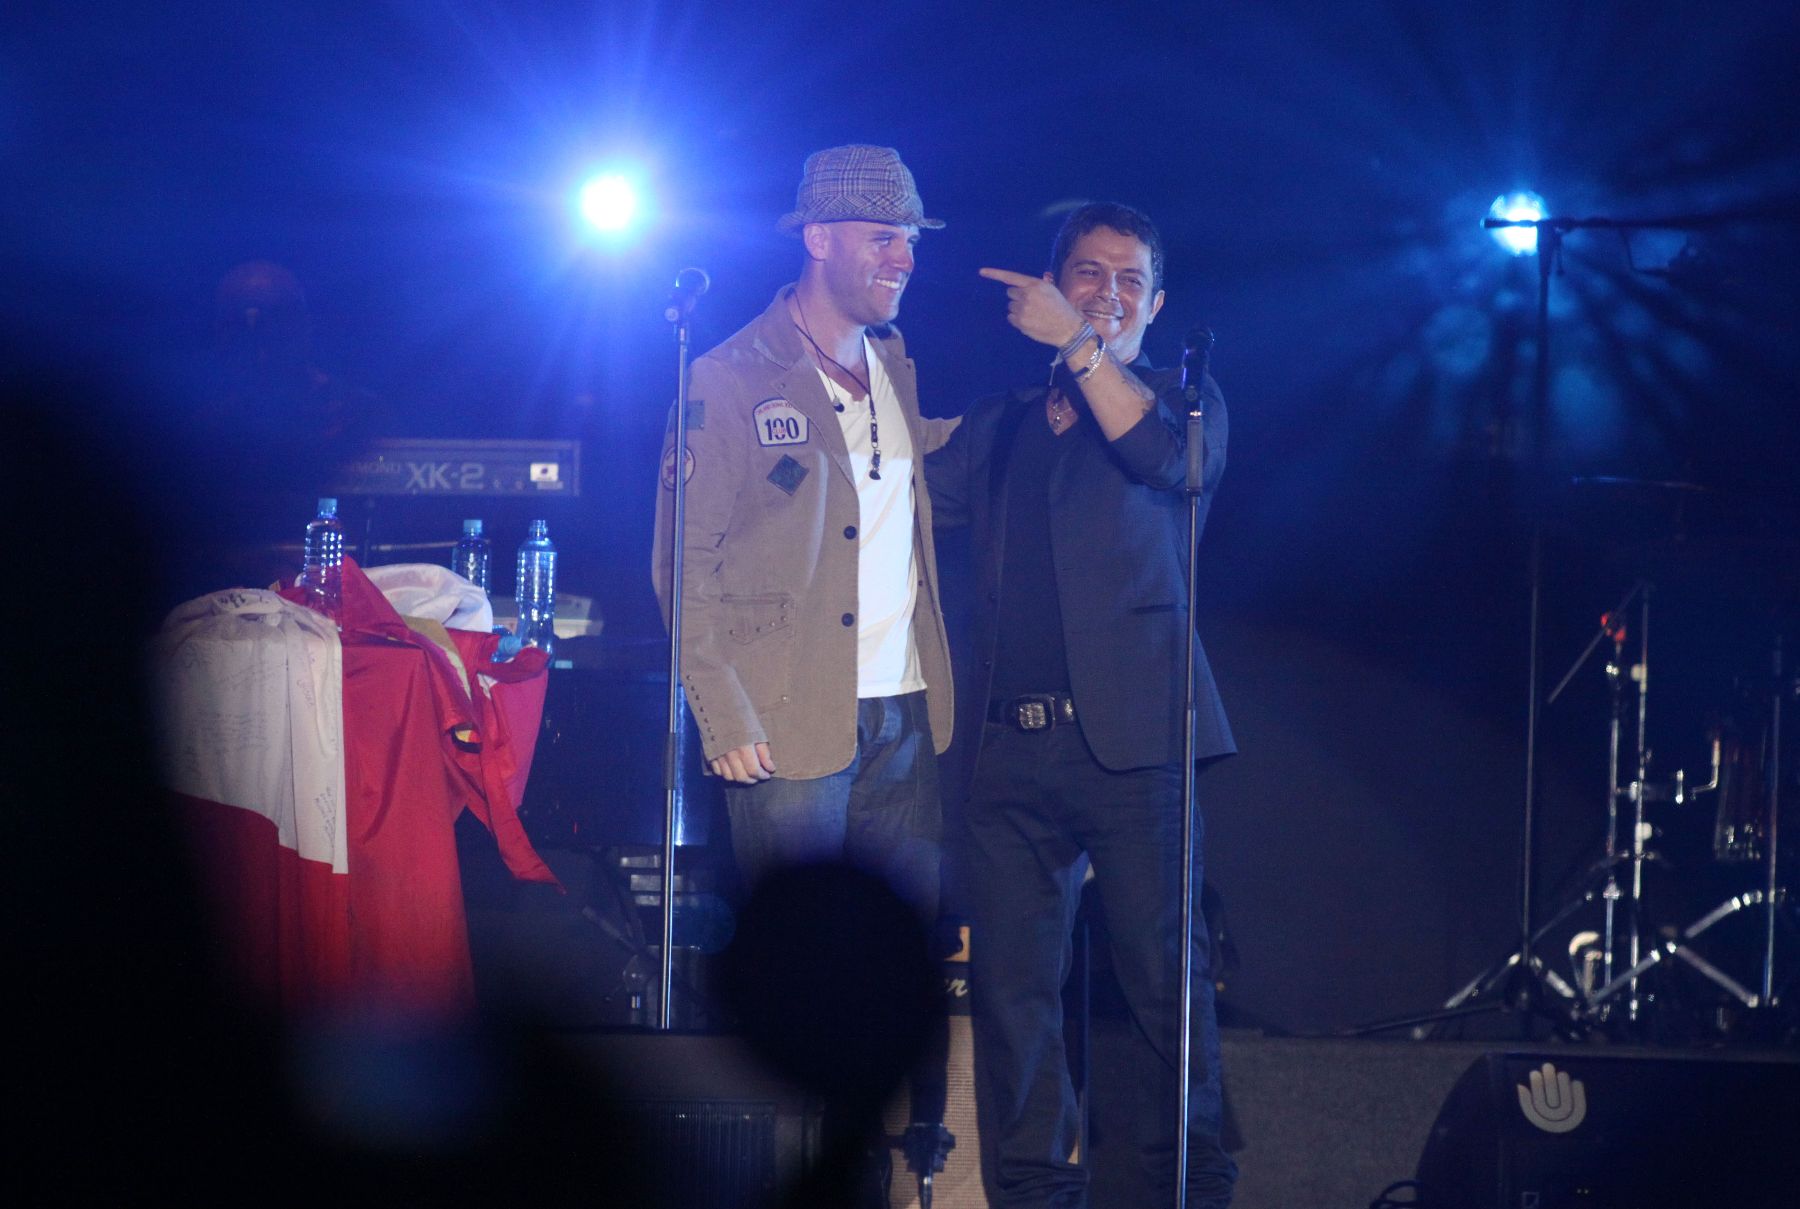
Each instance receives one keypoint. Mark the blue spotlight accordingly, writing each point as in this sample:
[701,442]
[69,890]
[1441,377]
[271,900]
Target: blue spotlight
[1523,205]
[610,202]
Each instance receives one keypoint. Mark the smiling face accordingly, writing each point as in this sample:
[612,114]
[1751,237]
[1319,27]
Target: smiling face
[1108,278]
[865,266]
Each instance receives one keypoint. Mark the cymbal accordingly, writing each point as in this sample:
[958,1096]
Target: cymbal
[1737,538]
[1682,509]
[1647,486]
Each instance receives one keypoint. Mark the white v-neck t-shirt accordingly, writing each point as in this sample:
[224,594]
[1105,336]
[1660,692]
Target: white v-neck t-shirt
[887,581]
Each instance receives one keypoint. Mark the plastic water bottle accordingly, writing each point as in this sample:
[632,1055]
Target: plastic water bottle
[473,556]
[535,588]
[322,572]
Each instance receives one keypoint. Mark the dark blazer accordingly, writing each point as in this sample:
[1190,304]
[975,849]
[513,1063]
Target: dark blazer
[1119,547]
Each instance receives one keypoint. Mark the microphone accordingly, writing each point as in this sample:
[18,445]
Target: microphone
[690,283]
[1196,352]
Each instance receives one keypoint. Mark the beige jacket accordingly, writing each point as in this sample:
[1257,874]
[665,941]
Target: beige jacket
[770,560]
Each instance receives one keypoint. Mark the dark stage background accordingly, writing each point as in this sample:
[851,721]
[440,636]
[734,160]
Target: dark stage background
[1319,172]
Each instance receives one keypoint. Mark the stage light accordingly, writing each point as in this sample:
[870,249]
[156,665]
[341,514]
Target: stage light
[1520,241]
[610,202]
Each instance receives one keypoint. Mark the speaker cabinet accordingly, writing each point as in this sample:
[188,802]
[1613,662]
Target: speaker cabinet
[702,1124]
[958,1185]
[1567,1128]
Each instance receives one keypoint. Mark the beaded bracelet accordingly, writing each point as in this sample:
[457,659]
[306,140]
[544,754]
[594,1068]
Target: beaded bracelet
[1087,371]
[1087,330]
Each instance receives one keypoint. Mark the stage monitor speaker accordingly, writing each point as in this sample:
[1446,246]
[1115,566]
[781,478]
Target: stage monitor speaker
[1561,1129]
[699,1120]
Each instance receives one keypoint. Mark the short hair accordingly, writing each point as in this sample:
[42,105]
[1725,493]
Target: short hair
[1126,220]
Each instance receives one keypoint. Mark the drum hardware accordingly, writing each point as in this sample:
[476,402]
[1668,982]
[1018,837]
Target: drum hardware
[1739,826]
[1679,945]
[1522,977]
[1637,792]
[1771,869]
[1584,960]
[1523,973]
[1746,827]
[1608,963]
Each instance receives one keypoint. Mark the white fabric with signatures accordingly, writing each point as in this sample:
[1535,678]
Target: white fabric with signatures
[252,714]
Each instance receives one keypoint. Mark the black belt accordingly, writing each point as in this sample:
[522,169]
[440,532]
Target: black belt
[1034,711]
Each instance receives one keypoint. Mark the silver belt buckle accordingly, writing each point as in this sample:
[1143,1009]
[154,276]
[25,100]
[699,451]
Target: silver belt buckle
[1034,712]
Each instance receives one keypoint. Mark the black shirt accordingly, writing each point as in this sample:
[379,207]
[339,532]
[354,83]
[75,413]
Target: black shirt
[1028,647]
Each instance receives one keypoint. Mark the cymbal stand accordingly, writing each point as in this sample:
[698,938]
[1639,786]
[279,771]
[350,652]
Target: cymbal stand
[1565,1005]
[1612,626]
[1771,888]
[1557,1000]
[1578,1006]
[1681,947]
[1638,794]
[1614,674]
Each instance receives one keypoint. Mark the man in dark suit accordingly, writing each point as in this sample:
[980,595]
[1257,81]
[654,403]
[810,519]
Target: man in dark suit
[1073,491]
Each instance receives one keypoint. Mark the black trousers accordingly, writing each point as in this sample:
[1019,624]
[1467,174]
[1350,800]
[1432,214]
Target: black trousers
[1037,804]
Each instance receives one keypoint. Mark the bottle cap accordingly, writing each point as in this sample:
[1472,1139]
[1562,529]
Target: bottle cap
[540,528]
[472,527]
[327,506]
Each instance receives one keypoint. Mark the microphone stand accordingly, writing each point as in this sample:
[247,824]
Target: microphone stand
[680,312]
[1193,373]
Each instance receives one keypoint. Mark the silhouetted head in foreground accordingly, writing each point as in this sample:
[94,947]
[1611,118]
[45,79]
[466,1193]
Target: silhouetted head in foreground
[831,978]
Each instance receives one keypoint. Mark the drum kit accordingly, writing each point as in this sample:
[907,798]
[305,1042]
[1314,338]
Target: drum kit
[1634,967]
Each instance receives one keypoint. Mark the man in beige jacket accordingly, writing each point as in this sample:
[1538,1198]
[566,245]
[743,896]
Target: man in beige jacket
[813,651]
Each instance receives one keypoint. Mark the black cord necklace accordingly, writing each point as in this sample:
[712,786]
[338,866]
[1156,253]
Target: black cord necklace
[868,390]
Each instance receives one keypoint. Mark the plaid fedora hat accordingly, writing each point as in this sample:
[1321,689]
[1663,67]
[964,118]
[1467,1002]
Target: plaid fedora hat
[856,182]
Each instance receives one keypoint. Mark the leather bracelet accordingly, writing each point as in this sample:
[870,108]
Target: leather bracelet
[1087,330]
[1087,371]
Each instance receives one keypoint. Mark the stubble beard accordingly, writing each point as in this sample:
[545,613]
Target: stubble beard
[863,302]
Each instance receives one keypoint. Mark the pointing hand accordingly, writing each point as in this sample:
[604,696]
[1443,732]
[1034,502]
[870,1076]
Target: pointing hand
[1036,307]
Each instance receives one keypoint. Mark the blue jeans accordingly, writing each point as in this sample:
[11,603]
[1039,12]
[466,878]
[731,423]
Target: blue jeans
[881,813]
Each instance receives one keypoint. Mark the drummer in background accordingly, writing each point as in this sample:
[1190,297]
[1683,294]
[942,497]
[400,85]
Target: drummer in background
[272,429]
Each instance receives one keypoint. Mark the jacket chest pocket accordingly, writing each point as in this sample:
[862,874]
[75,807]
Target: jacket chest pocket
[752,617]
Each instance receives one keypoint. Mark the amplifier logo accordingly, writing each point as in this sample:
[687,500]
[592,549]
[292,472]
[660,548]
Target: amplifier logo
[1553,1102]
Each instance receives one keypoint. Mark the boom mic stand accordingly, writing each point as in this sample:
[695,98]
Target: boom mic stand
[689,285]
